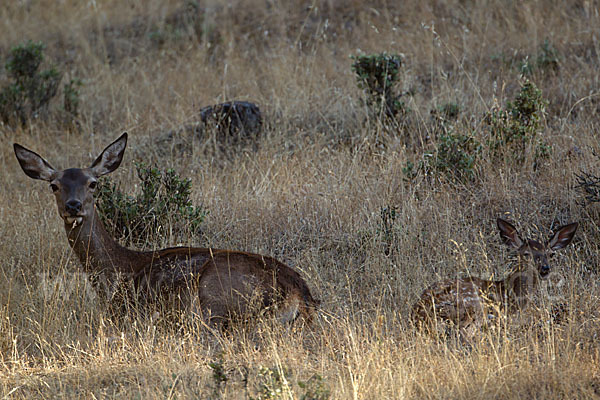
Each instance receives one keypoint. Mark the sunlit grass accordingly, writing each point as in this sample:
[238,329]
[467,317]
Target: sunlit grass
[312,195]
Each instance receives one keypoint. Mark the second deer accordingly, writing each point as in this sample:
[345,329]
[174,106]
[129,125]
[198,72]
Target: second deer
[215,283]
[467,303]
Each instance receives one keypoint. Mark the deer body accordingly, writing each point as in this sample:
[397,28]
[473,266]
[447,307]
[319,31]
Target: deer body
[216,283]
[469,302]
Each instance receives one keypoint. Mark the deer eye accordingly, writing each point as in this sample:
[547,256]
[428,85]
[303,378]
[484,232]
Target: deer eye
[93,185]
[54,187]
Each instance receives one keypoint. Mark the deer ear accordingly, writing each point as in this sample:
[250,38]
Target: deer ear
[111,157]
[563,236]
[508,233]
[33,164]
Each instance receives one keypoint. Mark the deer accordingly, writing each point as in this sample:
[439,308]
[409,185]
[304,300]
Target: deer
[214,283]
[469,303]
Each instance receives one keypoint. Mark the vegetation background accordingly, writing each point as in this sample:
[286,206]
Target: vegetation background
[348,197]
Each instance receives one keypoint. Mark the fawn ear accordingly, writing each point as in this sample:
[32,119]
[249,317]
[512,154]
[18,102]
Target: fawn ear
[508,233]
[111,157]
[563,236]
[33,164]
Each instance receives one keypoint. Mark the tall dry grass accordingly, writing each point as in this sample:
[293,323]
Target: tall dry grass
[311,195]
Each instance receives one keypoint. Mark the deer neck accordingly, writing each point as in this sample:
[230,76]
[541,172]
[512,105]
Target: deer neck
[519,285]
[98,252]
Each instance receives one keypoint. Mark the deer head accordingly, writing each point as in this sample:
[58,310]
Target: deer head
[532,256]
[74,187]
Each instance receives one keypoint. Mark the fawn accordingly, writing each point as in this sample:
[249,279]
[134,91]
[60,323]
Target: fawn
[469,302]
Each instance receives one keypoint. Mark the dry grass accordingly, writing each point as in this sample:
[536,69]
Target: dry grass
[311,195]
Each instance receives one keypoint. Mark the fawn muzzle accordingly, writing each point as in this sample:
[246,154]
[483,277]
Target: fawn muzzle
[544,270]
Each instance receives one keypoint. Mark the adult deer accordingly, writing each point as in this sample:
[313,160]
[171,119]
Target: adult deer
[216,283]
[469,302]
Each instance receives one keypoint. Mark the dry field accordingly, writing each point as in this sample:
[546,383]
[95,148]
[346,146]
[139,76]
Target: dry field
[317,193]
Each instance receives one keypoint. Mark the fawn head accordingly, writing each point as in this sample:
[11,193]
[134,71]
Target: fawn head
[533,252]
[73,187]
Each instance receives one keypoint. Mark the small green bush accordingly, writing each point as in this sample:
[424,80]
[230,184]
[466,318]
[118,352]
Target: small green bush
[219,378]
[272,384]
[514,130]
[71,96]
[446,112]
[454,157]
[275,383]
[547,59]
[185,22]
[314,388]
[377,76]
[163,203]
[387,229]
[31,89]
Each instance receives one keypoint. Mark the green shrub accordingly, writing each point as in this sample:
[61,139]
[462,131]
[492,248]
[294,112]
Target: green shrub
[446,112]
[443,118]
[272,384]
[410,170]
[185,22]
[314,389]
[219,378]
[163,203]
[275,383]
[31,89]
[454,157]
[71,96]
[513,131]
[387,229]
[377,76]
[547,59]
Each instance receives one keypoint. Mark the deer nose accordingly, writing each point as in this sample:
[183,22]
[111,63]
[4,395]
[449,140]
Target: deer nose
[73,207]
[545,269]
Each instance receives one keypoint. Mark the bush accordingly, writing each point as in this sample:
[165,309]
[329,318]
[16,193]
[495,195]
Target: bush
[446,112]
[185,22]
[443,118]
[377,75]
[513,131]
[315,388]
[547,59]
[387,229]
[31,89]
[163,203]
[276,383]
[71,97]
[455,157]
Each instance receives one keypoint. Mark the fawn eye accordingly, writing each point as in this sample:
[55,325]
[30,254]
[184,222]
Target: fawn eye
[93,185]
[54,187]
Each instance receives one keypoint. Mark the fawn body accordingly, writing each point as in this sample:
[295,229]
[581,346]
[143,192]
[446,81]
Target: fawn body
[469,302]
[216,283]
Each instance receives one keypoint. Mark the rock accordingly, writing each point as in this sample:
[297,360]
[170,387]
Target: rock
[233,121]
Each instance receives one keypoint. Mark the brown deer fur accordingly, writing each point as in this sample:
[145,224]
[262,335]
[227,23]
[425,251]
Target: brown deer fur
[215,283]
[468,302]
